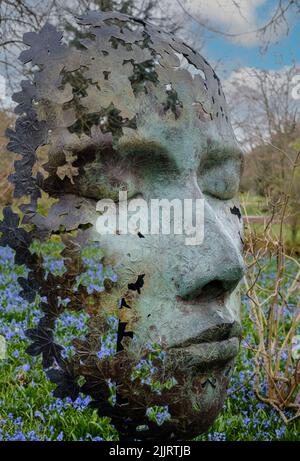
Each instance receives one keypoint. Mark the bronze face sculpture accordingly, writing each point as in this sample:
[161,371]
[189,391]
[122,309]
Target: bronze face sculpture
[127,107]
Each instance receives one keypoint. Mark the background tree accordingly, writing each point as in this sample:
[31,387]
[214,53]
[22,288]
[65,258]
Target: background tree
[266,119]
[280,19]
[19,16]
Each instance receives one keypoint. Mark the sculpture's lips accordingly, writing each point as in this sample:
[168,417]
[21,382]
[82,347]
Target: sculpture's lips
[216,333]
[209,353]
[214,345]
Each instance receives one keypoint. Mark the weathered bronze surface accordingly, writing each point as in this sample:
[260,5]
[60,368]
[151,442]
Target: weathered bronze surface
[128,107]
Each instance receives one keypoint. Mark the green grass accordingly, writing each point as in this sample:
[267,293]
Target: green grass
[255,205]
[28,411]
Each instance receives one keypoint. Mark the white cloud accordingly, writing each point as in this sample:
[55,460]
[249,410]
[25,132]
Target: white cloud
[233,17]
[274,80]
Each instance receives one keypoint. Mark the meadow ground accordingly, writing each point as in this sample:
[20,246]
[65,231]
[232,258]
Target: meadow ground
[28,411]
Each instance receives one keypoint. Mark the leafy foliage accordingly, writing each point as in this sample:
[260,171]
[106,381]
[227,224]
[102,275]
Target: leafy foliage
[29,411]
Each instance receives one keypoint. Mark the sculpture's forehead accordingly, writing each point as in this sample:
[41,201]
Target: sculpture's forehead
[117,60]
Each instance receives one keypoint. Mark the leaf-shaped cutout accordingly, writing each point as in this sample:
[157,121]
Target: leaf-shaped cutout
[42,44]
[29,287]
[43,344]
[66,381]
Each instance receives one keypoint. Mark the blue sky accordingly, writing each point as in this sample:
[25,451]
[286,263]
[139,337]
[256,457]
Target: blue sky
[282,52]
[228,55]
[233,55]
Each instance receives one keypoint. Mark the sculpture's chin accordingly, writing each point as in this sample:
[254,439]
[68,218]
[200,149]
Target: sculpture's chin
[197,404]
[194,403]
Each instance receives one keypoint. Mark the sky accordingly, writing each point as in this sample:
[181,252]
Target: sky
[234,55]
[242,54]
[228,54]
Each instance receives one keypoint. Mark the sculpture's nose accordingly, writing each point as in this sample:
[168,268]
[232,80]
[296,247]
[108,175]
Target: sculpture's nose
[205,287]
[213,268]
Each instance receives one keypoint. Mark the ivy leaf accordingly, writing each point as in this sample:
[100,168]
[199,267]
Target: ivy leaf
[43,344]
[29,287]
[42,44]
[17,238]
[66,381]
[29,134]
[24,97]
[97,387]
[52,310]
[11,220]
[23,183]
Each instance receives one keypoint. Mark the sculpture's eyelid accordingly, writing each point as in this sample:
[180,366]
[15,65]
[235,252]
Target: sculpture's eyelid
[217,157]
[221,153]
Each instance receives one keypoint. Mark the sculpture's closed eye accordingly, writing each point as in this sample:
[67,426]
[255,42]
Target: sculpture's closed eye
[219,173]
[112,172]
